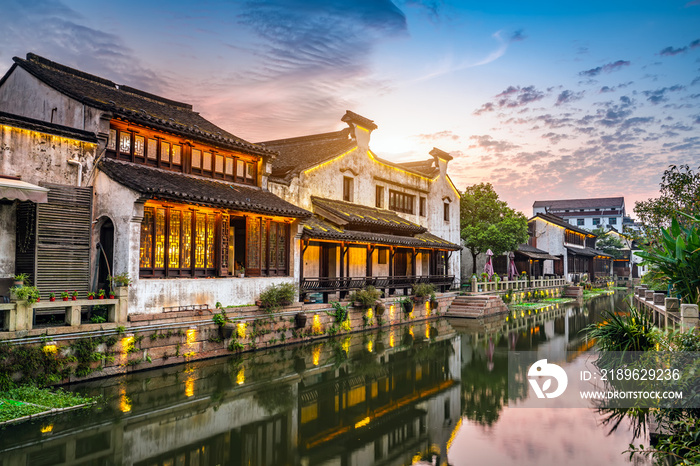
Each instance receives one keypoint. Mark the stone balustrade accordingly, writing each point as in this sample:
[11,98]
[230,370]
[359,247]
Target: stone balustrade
[508,285]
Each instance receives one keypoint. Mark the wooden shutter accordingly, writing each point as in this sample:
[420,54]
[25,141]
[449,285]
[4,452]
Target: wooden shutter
[63,239]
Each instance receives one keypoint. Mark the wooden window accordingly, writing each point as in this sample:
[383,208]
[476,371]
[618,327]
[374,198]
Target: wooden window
[250,172]
[197,159]
[446,212]
[139,148]
[164,153]
[112,142]
[382,254]
[219,164]
[401,202]
[152,151]
[421,206]
[379,196]
[125,142]
[240,170]
[177,154]
[347,189]
[229,167]
[206,161]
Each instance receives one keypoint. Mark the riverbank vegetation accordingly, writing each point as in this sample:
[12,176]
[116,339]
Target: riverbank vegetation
[22,402]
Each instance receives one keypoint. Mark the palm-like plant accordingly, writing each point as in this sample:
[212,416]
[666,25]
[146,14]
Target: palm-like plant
[677,255]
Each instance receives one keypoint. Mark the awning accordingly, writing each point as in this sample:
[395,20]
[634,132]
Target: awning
[584,252]
[22,191]
[534,253]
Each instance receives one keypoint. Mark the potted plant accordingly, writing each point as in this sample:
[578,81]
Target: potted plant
[379,308]
[91,295]
[241,272]
[366,297]
[20,279]
[406,304]
[101,294]
[65,295]
[433,301]
[74,295]
[300,320]
[222,322]
[121,279]
[52,297]
[422,291]
[484,277]
[26,293]
[111,294]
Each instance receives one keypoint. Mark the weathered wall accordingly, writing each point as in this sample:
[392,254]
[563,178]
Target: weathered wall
[38,157]
[39,101]
[7,240]
[550,238]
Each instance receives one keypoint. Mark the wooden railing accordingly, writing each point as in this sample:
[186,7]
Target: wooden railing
[332,284]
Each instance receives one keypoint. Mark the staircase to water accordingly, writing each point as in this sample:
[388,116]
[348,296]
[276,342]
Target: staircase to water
[476,306]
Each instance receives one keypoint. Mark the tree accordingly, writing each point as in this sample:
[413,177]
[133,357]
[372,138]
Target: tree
[486,222]
[608,243]
[680,192]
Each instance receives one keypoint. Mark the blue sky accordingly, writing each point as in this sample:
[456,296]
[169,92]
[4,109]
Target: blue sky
[546,100]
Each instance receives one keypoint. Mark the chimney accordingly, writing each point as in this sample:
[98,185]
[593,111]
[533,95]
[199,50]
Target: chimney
[442,158]
[361,128]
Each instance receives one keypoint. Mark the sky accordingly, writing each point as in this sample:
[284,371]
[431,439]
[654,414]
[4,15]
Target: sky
[545,99]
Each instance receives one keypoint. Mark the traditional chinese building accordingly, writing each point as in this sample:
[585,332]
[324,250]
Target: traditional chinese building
[574,245]
[375,222]
[159,192]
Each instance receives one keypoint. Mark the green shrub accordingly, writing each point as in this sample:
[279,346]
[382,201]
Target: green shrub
[367,296]
[277,295]
[423,290]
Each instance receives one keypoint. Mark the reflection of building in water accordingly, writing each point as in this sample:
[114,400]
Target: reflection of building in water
[380,402]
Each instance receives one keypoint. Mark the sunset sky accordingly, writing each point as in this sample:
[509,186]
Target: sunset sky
[546,100]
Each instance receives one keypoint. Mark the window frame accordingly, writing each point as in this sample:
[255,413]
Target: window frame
[422,204]
[348,188]
[402,202]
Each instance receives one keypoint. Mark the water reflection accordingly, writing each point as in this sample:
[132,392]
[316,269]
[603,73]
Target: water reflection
[435,392]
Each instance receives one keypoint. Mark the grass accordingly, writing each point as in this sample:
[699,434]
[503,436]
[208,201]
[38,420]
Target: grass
[25,401]
[540,304]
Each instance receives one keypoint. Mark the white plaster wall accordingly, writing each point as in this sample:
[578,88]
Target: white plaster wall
[467,263]
[550,238]
[7,240]
[38,157]
[37,101]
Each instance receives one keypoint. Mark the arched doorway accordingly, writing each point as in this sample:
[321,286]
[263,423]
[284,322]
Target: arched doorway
[105,254]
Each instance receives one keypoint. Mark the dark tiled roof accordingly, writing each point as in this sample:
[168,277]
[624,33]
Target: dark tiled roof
[31,124]
[132,104]
[562,223]
[155,183]
[318,228]
[298,154]
[361,217]
[352,117]
[534,253]
[599,202]
[424,167]
[587,252]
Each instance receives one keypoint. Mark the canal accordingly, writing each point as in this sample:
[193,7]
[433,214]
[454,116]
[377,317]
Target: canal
[435,391]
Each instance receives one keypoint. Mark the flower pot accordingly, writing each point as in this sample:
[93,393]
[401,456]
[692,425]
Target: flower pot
[18,283]
[380,309]
[74,298]
[112,297]
[407,307]
[65,299]
[241,275]
[52,299]
[91,298]
[227,330]
[300,320]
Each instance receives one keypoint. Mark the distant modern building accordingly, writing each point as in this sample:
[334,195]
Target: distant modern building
[586,213]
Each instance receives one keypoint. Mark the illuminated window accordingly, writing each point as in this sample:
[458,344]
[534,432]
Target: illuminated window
[229,166]
[250,172]
[152,152]
[164,152]
[196,158]
[112,143]
[219,165]
[177,154]
[206,161]
[124,142]
[240,169]
[139,143]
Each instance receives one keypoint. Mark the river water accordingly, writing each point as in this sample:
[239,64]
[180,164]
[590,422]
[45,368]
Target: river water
[420,393]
